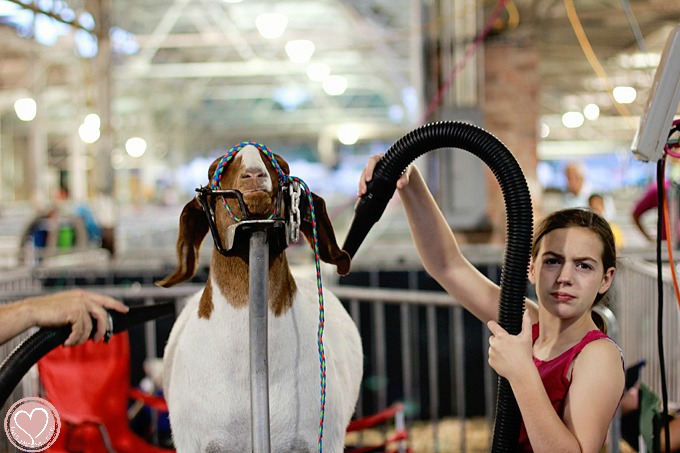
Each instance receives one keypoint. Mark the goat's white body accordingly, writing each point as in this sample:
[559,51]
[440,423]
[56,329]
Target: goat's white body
[208,381]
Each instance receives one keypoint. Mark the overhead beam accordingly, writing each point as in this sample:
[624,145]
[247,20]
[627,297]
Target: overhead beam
[242,69]
[31,7]
[162,30]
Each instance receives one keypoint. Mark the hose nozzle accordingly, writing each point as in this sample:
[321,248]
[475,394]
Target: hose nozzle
[368,209]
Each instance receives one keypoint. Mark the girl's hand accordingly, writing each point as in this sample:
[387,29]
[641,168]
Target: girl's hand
[509,355]
[367,175]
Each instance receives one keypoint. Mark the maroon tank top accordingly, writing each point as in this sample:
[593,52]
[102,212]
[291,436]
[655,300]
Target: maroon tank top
[555,376]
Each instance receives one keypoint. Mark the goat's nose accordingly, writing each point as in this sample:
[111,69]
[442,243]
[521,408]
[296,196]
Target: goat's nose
[253,173]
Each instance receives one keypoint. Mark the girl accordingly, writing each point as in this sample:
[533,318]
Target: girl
[567,376]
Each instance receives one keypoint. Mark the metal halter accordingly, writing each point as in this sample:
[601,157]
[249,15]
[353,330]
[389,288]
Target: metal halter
[206,197]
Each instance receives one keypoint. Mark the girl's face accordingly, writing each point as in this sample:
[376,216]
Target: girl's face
[568,271]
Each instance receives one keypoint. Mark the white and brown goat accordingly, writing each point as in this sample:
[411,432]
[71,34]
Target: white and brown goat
[206,375]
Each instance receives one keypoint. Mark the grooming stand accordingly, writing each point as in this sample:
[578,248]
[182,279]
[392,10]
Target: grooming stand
[261,234]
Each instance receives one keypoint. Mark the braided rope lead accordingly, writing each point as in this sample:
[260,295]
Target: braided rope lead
[283,179]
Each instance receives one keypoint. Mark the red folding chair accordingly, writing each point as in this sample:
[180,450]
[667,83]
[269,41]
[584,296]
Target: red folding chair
[395,442]
[89,386]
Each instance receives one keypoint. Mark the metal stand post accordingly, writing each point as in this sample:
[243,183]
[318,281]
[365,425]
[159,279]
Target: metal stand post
[261,235]
[259,360]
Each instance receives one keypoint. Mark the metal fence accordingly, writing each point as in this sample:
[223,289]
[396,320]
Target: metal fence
[637,310]
[441,368]
[421,347]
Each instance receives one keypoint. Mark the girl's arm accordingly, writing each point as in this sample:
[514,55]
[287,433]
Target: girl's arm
[597,384]
[511,357]
[438,248]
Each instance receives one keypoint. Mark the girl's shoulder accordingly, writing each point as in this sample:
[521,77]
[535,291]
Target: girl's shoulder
[597,373]
[598,350]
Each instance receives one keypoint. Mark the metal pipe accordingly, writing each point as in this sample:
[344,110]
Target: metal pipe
[355,312]
[489,377]
[375,295]
[458,339]
[151,353]
[259,360]
[400,425]
[432,370]
[613,332]
[380,354]
[407,367]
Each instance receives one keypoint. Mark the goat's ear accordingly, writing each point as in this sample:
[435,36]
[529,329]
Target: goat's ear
[212,168]
[285,168]
[193,226]
[328,246]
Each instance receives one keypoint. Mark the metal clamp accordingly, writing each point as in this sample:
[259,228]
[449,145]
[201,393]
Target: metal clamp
[109,328]
[294,218]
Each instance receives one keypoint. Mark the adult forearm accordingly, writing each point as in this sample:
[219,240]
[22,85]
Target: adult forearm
[14,319]
[642,229]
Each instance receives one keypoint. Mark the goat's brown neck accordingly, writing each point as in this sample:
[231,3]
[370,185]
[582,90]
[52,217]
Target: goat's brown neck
[231,275]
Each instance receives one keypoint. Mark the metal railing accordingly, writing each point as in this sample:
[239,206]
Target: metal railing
[432,385]
[637,310]
[421,347]
[423,387]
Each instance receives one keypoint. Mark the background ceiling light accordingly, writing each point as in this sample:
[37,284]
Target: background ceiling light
[640,60]
[348,134]
[92,120]
[26,109]
[624,95]
[591,112]
[89,131]
[271,25]
[88,134]
[135,146]
[7,8]
[300,50]
[335,85]
[573,119]
[318,72]
[290,98]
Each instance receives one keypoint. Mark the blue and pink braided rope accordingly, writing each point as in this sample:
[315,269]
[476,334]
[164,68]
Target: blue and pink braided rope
[283,180]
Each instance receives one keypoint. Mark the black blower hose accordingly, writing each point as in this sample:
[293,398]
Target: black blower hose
[519,221]
[33,348]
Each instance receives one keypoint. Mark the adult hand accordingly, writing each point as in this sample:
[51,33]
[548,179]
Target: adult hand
[77,308]
[509,354]
[367,175]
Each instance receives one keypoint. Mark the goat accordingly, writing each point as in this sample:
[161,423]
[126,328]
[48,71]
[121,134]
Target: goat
[206,371]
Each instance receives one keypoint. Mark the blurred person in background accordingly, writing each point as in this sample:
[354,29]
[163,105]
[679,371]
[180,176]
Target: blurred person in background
[646,206]
[642,416]
[597,205]
[579,190]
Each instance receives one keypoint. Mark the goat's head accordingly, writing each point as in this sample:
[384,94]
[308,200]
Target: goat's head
[252,174]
